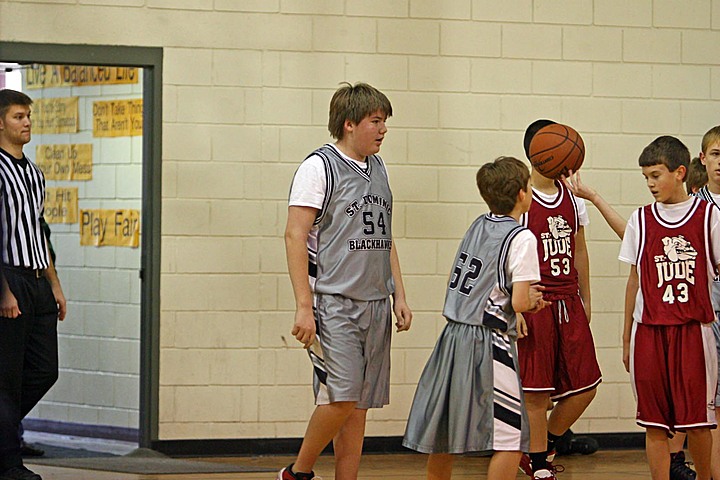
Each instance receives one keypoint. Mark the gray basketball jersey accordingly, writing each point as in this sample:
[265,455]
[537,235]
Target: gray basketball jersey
[705,194]
[350,252]
[479,291]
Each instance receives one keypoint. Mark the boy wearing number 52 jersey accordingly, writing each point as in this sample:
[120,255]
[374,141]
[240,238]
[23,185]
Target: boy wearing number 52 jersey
[673,247]
[469,397]
[343,268]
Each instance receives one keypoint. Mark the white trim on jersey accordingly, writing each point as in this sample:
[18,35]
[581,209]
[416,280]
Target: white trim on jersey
[639,297]
[679,223]
[551,201]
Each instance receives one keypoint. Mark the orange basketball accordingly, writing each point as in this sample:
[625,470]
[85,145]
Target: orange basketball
[556,149]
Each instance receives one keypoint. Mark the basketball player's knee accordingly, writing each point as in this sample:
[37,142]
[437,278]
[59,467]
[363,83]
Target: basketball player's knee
[589,395]
[345,407]
[536,401]
[699,434]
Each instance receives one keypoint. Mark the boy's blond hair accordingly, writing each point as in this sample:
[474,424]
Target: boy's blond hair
[668,151]
[696,177]
[711,137]
[355,103]
[500,181]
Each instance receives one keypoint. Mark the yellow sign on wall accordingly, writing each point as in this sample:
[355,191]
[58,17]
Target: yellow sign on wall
[61,204]
[117,118]
[55,115]
[46,76]
[120,228]
[65,161]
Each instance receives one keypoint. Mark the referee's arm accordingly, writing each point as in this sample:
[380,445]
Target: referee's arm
[51,275]
[8,303]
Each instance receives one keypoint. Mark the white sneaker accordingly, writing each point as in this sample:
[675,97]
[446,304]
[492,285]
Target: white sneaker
[544,473]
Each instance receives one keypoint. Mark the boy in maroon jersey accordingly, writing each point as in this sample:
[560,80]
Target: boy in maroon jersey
[673,247]
[557,358]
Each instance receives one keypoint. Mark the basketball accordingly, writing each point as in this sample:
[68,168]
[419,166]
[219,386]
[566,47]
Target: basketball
[556,149]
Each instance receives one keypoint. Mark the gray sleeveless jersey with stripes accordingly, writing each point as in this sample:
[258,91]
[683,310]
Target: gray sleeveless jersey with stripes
[479,291]
[350,254]
[705,194]
[469,396]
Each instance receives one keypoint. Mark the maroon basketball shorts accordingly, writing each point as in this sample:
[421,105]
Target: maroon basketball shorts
[558,355]
[673,371]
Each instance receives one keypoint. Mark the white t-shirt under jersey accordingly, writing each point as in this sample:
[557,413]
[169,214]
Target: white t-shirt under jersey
[671,213]
[310,182]
[522,262]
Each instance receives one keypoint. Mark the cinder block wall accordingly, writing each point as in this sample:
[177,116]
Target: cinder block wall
[246,90]
[99,345]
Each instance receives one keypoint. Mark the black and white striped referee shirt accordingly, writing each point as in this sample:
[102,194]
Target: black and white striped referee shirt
[22,202]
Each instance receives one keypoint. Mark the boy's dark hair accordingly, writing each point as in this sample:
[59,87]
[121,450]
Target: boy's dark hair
[696,176]
[500,181]
[712,136]
[355,103]
[665,150]
[10,97]
[530,132]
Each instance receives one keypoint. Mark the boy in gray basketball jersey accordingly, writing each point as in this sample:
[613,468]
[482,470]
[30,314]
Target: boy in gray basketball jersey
[343,268]
[469,398]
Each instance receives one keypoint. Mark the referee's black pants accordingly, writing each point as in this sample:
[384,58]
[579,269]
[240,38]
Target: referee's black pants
[28,356]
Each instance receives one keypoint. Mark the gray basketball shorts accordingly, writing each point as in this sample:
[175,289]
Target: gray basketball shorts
[353,361]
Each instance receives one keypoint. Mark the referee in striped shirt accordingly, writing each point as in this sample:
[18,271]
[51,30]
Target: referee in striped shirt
[31,299]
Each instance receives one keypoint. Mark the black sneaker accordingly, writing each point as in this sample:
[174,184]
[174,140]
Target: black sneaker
[19,473]
[28,450]
[583,445]
[679,468]
[562,444]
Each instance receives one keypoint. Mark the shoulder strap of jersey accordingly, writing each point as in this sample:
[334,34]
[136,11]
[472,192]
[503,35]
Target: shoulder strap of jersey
[380,162]
[503,281]
[711,207]
[643,213]
[325,153]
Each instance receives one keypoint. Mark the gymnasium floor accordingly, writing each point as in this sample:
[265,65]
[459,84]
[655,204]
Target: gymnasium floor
[616,464]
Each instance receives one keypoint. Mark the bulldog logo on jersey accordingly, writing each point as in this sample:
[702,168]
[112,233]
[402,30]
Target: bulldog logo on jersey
[678,263]
[557,242]
[559,227]
[677,248]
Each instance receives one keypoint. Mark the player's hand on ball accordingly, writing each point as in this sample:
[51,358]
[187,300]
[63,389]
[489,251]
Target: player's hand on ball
[304,328]
[403,315]
[577,187]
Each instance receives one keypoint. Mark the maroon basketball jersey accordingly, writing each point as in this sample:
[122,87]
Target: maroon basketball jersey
[555,224]
[674,266]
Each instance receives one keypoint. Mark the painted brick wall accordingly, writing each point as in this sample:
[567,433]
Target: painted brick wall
[99,344]
[246,90]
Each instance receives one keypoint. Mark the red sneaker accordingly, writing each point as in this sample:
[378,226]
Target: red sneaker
[526,464]
[287,474]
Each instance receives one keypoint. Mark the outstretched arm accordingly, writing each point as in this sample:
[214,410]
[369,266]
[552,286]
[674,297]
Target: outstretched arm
[576,186]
